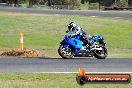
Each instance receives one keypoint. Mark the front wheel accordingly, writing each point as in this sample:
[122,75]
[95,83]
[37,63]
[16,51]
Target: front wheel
[101,54]
[65,53]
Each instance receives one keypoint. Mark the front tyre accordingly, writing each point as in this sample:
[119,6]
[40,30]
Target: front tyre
[65,53]
[101,54]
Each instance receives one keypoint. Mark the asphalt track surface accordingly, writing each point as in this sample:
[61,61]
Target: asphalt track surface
[39,65]
[124,14]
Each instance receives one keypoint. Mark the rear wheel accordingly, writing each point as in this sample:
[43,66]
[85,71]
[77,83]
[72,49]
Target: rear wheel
[101,54]
[65,53]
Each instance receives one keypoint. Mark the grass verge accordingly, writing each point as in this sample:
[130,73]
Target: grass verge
[31,80]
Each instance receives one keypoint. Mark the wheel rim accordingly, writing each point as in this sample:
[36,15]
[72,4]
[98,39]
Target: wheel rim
[101,53]
[66,52]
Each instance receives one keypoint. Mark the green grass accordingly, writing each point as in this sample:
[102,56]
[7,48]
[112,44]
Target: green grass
[45,31]
[31,80]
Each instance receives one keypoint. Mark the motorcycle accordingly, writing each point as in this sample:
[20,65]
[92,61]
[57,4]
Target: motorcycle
[77,46]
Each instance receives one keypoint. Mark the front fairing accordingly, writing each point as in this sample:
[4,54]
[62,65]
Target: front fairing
[69,35]
[72,41]
[64,38]
[76,43]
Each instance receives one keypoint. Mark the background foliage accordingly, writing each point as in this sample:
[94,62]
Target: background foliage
[117,3]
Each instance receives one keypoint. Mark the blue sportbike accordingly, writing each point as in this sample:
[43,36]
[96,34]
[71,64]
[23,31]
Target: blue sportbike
[77,46]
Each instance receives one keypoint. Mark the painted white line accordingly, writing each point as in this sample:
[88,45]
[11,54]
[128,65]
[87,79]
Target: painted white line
[118,17]
[93,16]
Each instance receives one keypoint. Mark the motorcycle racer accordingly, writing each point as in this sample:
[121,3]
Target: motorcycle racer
[76,30]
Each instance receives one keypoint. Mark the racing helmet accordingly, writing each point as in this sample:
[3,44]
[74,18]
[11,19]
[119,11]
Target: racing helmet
[70,25]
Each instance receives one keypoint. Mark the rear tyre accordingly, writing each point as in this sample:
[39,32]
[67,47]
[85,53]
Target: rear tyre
[65,53]
[98,55]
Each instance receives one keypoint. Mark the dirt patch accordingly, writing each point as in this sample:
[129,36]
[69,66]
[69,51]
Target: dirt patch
[24,53]
[16,14]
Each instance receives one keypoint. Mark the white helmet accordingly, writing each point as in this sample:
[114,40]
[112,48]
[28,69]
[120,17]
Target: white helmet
[71,24]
